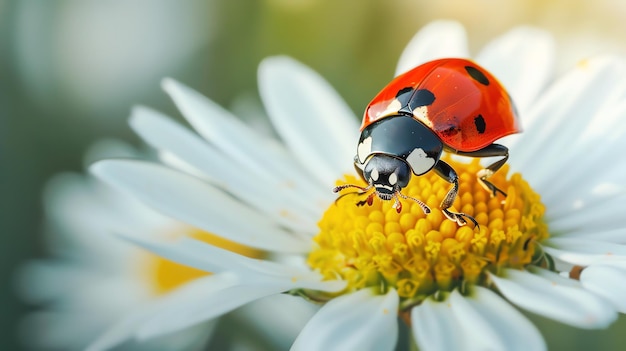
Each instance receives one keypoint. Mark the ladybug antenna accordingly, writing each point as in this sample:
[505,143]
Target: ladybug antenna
[346,194]
[345,186]
[361,190]
[370,198]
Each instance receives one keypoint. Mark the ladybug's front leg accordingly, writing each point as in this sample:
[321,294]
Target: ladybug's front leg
[449,174]
[492,150]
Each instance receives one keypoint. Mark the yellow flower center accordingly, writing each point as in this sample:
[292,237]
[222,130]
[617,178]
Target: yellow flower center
[166,275]
[420,254]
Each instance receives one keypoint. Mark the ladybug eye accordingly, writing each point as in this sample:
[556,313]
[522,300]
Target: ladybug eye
[374,174]
[401,176]
[393,179]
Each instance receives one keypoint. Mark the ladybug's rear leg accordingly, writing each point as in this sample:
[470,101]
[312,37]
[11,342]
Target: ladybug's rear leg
[492,150]
[449,174]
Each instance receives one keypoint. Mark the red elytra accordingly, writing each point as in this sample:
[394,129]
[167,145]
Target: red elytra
[462,103]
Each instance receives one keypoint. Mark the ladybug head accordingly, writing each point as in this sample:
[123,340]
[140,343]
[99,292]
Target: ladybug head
[387,174]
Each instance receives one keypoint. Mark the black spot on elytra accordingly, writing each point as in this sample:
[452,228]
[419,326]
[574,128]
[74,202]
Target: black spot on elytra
[404,95]
[411,99]
[404,91]
[421,97]
[477,75]
[480,124]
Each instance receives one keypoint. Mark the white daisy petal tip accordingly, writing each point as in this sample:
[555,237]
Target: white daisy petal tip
[169,84]
[313,120]
[518,41]
[531,51]
[140,110]
[607,279]
[99,169]
[278,62]
[140,114]
[185,98]
[438,39]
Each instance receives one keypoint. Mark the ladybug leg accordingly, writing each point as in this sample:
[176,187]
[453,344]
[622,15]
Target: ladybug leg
[422,205]
[449,175]
[492,150]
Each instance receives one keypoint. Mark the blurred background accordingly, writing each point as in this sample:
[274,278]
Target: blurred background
[70,71]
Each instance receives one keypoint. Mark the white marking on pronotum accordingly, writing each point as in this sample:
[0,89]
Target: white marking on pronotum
[419,161]
[364,149]
[393,179]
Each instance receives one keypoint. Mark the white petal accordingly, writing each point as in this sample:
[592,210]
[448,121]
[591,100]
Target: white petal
[608,125]
[522,60]
[608,281]
[616,236]
[309,116]
[596,213]
[59,330]
[192,292]
[563,112]
[438,39]
[196,203]
[109,148]
[289,316]
[70,285]
[43,281]
[568,205]
[203,256]
[555,297]
[589,164]
[584,251]
[177,315]
[266,157]
[264,193]
[76,204]
[358,321]
[491,323]
[435,326]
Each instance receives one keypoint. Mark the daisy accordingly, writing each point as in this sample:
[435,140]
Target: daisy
[92,278]
[547,248]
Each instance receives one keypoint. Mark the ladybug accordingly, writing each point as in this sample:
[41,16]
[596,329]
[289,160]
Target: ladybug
[451,105]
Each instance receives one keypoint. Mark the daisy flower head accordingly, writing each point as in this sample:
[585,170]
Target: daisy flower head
[546,247]
[91,279]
